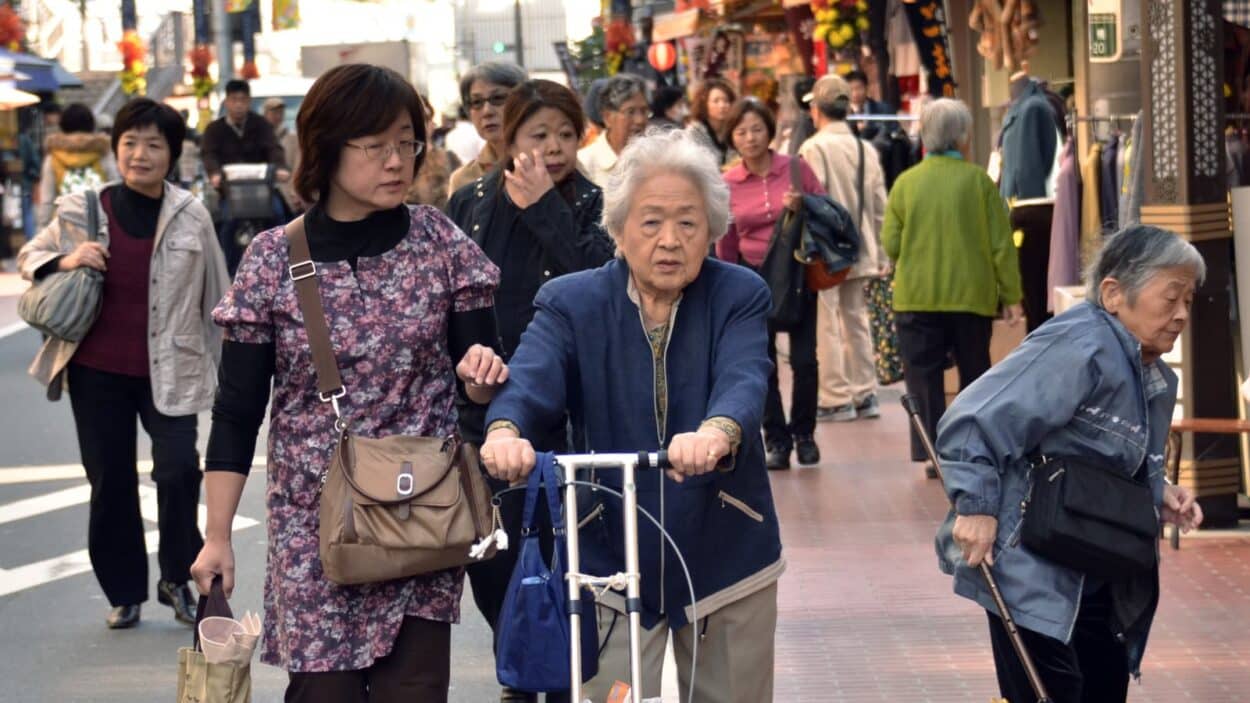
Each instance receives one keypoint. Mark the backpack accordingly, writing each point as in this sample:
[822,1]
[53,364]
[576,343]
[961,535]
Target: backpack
[80,180]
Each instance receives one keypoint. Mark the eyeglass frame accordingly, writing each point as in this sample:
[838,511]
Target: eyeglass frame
[495,99]
[390,148]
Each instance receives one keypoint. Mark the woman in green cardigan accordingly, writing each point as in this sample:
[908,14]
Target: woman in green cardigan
[947,231]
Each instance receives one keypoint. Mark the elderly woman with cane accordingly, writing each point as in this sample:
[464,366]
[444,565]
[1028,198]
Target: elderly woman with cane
[1054,463]
[685,340]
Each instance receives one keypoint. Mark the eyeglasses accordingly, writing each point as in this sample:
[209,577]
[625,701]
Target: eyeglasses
[407,149]
[496,99]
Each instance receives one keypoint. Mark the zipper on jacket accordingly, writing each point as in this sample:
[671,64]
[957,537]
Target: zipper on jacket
[726,499]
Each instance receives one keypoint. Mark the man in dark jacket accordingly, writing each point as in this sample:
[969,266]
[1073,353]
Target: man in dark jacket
[241,137]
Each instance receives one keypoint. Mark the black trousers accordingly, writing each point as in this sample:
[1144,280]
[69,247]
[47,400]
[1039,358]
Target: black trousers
[418,668]
[105,406]
[1034,221]
[777,432]
[1093,668]
[926,341]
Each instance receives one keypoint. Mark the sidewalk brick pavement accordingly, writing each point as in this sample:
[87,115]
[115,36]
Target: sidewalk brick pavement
[866,616]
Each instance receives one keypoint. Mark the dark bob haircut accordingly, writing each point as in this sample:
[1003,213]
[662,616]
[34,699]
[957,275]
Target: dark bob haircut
[856,75]
[749,106]
[77,118]
[532,96]
[145,112]
[350,101]
[698,107]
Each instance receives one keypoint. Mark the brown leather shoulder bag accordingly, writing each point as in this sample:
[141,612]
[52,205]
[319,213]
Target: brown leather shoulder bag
[392,507]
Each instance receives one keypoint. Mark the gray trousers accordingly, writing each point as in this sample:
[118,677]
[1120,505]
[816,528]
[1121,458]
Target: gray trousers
[735,663]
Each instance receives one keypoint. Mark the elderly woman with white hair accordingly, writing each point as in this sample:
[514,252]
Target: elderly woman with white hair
[1084,404]
[663,347]
[625,112]
[947,230]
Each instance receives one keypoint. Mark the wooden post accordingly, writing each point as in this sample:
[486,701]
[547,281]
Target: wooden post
[1185,191]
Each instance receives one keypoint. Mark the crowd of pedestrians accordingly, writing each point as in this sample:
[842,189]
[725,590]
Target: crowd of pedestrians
[523,288]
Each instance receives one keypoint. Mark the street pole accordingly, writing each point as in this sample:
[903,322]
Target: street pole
[225,46]
[516,40]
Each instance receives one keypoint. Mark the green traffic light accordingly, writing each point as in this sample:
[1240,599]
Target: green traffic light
[499,47]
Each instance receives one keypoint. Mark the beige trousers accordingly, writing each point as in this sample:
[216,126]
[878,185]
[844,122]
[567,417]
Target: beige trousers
[844,349]
[735,663]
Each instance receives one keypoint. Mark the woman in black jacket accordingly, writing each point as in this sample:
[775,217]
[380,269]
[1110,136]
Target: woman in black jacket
[536,217]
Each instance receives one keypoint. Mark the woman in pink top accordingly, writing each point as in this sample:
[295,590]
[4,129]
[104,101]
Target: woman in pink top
[759,190]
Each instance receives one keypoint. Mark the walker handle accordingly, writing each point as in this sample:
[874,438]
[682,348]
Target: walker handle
[725,465]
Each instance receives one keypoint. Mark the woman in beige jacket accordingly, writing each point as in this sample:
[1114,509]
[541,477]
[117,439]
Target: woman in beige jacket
[151,355]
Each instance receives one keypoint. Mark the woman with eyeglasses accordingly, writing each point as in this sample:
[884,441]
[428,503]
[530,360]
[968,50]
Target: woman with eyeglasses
[537,217]
[483,92]
[406,296]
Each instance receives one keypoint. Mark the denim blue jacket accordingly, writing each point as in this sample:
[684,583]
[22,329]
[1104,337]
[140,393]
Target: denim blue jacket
[1075,387]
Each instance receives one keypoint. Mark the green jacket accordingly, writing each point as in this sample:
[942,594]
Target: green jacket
[947,231]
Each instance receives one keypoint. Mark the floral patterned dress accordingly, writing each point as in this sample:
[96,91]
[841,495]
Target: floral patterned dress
[388,323]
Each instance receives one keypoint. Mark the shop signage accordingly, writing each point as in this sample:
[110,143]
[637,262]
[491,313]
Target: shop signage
[675,25]
[1104,30]
[928,26]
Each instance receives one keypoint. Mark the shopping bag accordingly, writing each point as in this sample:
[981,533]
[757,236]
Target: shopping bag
[202,682]
[533,646]
[880,295]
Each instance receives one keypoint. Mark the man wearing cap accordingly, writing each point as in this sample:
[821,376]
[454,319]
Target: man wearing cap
[849,169]
[274,111]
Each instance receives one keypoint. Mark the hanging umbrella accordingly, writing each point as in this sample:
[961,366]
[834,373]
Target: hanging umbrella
[10,96]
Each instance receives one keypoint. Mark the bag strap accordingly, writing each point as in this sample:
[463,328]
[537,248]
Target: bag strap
[859,221]
[303,273]
[93,215]
[543,480]
[212,605]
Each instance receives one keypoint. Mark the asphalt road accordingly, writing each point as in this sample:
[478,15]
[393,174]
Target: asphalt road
[54,645]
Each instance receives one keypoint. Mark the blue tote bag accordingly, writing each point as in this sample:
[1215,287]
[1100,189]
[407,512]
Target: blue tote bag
[532,653]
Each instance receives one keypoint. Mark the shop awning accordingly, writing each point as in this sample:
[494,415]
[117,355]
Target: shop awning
[675,25]
[43,75]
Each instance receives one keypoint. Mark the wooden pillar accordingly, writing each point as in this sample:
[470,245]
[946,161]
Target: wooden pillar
[1185,191]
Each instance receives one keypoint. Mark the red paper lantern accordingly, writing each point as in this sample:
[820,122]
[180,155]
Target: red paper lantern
[662,56]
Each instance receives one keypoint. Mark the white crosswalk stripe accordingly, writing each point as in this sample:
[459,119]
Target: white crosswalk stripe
[26,576]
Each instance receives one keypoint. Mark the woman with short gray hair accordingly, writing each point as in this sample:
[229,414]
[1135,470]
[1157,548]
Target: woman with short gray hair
[663,348]
[483,91]
[625,112]
[947,231]
[1087,388]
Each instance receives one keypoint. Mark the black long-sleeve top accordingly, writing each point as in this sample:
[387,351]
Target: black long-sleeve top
[246,371]
[221,145]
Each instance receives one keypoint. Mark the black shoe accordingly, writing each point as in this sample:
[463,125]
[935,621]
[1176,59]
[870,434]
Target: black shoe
[868,408]
[508,695]
[777,458]
[930,471]
[807,451]
[177,596]
[123,617]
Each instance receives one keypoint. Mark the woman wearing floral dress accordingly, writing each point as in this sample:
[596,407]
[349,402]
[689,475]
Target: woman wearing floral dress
[401,287]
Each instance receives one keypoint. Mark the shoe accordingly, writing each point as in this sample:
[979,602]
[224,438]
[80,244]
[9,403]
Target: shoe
[930,471]
[122,617]
[839,413]
[509,695]
[868,408]
[777,458]
[177,596]
[807,451]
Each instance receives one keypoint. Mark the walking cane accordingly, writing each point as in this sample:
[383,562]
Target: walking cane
[1013,633]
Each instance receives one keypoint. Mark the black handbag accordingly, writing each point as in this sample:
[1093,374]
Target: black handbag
[1091,518]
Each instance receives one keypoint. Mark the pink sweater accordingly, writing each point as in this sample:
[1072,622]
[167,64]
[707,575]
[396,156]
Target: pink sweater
[756,203]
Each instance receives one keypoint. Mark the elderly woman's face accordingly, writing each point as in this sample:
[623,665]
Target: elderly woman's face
[629,121]
[665,238]
[1160,312]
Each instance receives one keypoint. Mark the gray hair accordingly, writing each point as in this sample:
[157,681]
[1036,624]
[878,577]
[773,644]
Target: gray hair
[508,75]
[618,90]
[657,151]
[1134,255]
[944,124]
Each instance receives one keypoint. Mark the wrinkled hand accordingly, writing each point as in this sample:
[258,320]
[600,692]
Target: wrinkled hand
[975,536]
[1013,314]
[792,200]
[529,180]
[886,269]
[88,254]
[215,180]
[216,557]
[1180,508]
[696,453]
[282,175]
[506,456]
[483,372]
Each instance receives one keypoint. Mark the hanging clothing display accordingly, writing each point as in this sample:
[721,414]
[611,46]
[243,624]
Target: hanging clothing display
[1064,267]
[1091,205]
[904,55]
[1028,143]
[1109,186]
[1133,182]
